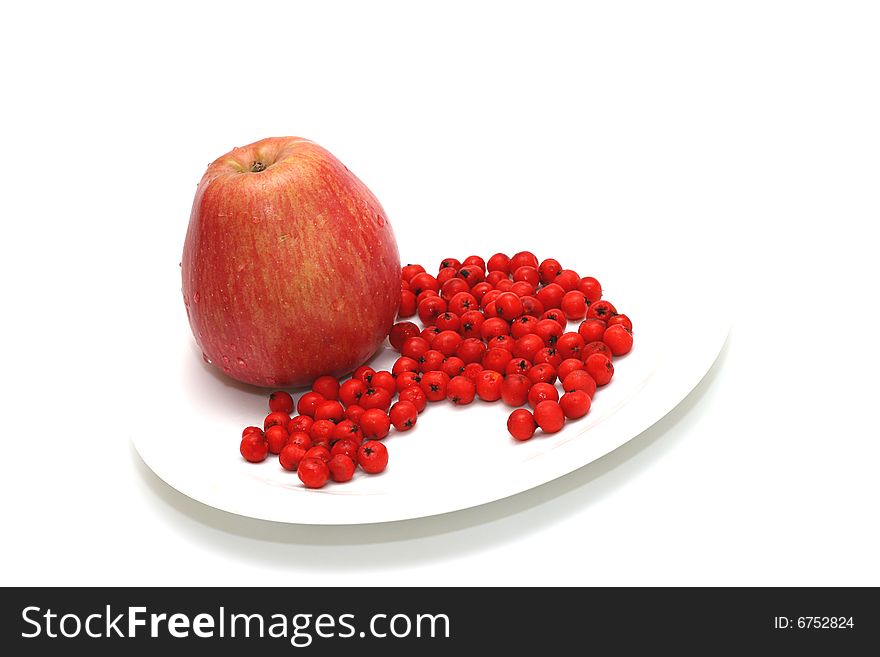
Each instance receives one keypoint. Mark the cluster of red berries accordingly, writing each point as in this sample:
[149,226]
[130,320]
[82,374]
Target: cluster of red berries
[493,329]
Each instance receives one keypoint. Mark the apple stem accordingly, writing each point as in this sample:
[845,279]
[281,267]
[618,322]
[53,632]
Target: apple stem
[256,167]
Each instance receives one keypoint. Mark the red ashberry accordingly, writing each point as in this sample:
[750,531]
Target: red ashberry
[471,350]
[488,385]
[329,410]
[508,306]
[404,364]
[300,423]
[523,259]
[527,274]
[373,457]
[487,303]
[248,430]
[521,424]
[384,379]
[549,416]
[493,277]
[290,456]
[499,262]
[601,310]
[423,281]
[354,412]
[597,347]
[472,274]
[300,439]
[522,289]
[462,303]
[375,424]
[531,306]
[590,288]
[447,342]
[351,391]
[618,339]
[448,322]
[429,333]
[622,320]
[493,327]
[445,275]
[347,446]
[341,468]
[408,271]
[416,395]
[277,418]
[472,371]
[541,391]
[570,345]
[600,368]
[318,452]
[557,316]
[376,398]
[424,295]
[431,361]
[542,373]
[502,286]
[549,331]
[575,404]
[453,366]
[574,305]
[527,346]
[579,380]
[523,326]
[254,447]
[480,289]
[364,374]
[451,263]
[550,295]
[496,359]
[548,355]
[308,403]
[347,430]
[328,386]
[568,366]
[434,385]
[452,287]
[403,415]
[474,261]
[549,269]
[515,389]
[406,379]
[517,366]
[313,472]
[400,332]
[321,432]
[461,390]
[280,402]
[471,322]
[415,347]
[430,309]
[592,330]
[276,437]
[568,279]
[408,304]
[502,341]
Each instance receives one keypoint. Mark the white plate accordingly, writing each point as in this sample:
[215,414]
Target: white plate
[453,459]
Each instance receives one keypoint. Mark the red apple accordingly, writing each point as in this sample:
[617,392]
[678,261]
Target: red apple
[290,267]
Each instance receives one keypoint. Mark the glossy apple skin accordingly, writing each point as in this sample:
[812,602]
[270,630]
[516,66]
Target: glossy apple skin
[289,272]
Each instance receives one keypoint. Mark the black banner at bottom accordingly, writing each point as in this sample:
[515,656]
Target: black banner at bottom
[435,621]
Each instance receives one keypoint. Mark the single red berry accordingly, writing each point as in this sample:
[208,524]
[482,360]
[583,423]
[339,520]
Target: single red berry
[290,456]
[404,415]
[300,423]
[328,386]
[579,380]
[452,263]
[480,289]
[515,389]
[474,261]
[341,468]
[493,327]
[568,366]
[517,366]
[376,398]
[408,304]
[277,418]
[575,404]
[471,350]
[430,309]
[308,403]
[406,379]
[254,447]
[318,452]
[590,288]
[521,424]
[527,346]
[508,306]
[462,302]
[404,286]
[300,439]
[448,322]
[523,289]
[472,371]
[351,391]
[280,402]
[523,259]
[600,368]
[570,345]
[550,295]
[502,286]
[416,395]
[373,456]
[415,347]
[496,359]
[347,430]
[531,306]
[487,303]
[472,274]
[423,281]
[329,410]
[313,472]
[248,430]
[568,279]
[601,310]
[276,437]
[447,342]
[548,355]
[542,373]
[618,339]
[434,385]
[592,330]
[400,332]
[493,277]
[404,364]
[431,361]
[541,391]
[424,294]
[557,316]
[488,385]
[452,287]
[453,366]
[549,416]
[347,446]
[384,379]
[622,320]
[321,432]
[446,274]
[471,322]
[523,326]
[501,341]
[527,274]
[549,269]
[461,390]
[597,347]
[549,331]
[354,413]
[364,374]
[408,271]
[574,305]
[499,262]
[375,424]
[429,333]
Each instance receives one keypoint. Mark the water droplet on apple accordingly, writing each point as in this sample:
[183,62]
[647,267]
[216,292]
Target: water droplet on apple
[197,297]
[226,359]
[241,267]
[380,220]
[256,220]
[241,362]
[205,358]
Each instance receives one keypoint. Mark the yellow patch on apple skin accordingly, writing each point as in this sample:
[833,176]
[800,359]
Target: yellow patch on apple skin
[336,270]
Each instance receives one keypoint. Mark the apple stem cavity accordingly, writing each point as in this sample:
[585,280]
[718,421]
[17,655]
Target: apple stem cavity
[257,166]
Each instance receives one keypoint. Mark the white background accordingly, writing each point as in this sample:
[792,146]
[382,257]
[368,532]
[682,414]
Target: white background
[737,142]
